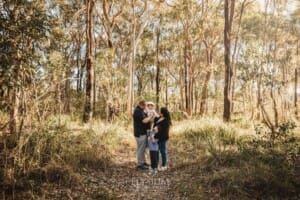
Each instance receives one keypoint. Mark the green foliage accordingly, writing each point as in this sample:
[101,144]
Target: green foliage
[21,23]
[245,167]
[270,161]
[284,130]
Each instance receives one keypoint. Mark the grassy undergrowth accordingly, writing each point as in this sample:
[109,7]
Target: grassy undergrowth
[218,161]
[57,155]
[231,165]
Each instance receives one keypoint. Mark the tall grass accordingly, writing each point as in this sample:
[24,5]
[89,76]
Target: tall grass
[225,159]
[205,137]
[58,154]
[235,165]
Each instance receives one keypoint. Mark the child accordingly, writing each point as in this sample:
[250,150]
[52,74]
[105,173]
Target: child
[150,110]
[153,148]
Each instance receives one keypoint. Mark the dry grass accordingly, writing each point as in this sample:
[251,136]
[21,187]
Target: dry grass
[232,162]
[224,159]
[57,154]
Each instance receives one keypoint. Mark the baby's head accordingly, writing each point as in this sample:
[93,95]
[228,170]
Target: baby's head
[150,105]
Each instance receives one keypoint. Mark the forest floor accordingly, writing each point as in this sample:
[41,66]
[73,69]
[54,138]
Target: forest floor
[207,160]
[121,179]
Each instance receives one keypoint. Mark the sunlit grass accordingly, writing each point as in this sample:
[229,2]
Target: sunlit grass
[228,159]
[233,162]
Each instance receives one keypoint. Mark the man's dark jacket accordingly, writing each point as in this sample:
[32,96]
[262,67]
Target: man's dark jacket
[140,128]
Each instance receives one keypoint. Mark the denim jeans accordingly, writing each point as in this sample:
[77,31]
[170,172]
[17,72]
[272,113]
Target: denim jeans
[163,152]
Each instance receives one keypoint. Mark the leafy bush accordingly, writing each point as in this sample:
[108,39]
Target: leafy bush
[273,157]
[277,134]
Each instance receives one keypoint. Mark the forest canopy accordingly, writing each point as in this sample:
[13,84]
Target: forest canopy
[171,52]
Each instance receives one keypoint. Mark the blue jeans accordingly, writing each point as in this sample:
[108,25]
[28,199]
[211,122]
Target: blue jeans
[163,152]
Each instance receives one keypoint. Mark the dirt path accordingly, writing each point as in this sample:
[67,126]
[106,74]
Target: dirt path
[129,183]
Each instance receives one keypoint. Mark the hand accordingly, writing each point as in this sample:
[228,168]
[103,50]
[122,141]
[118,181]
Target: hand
[151,114]
[155,129]
[152,139]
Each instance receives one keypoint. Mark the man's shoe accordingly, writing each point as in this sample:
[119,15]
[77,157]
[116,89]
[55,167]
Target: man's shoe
[146,164]
[142,167]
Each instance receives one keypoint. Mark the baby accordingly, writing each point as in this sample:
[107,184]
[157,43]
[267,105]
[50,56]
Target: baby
[150,111]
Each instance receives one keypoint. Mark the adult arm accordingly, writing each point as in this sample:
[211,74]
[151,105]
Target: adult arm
[147,120]
[140,116]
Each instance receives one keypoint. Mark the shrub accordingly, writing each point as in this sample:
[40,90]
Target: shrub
[266,166]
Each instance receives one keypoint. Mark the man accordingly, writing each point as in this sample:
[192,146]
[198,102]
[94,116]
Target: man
[141,123]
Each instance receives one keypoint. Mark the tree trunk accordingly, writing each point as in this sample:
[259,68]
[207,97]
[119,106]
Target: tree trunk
[204,92]
[182,91]
[259,96]
[88,108]
[131,71]
[196,96]
[157,68]
[191,96]
[78,69]
[139,86]
[234,57]
[67,91]
[296,85]
[14,111]
[260,111]
[95,78]
[296,93]
[228,15]
[134,43]
[250,95]
[186,81]
[81,85]
[166,92]
[190,76]
[274,106]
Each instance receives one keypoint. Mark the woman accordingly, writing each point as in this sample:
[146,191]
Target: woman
[162,128]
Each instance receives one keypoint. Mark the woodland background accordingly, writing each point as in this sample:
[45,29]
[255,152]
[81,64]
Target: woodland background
[72,72]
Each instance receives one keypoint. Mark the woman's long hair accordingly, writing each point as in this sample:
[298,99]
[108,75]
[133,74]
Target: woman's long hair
[165,112]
